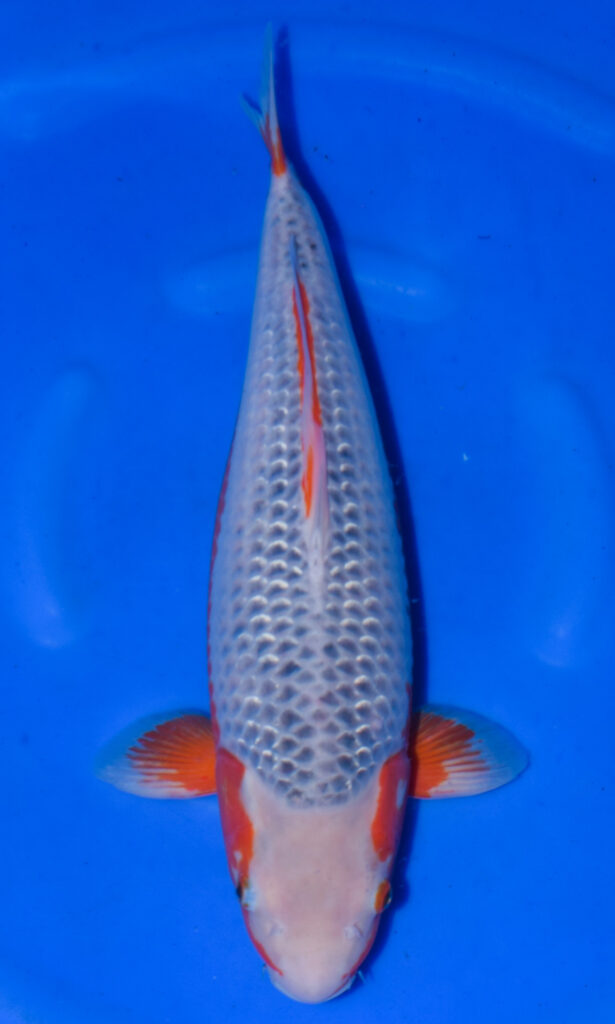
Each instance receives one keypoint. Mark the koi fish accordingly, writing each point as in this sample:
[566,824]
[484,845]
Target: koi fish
[311,746]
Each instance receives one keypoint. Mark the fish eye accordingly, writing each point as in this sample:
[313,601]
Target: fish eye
[383,897]
[243,892]
[246,894]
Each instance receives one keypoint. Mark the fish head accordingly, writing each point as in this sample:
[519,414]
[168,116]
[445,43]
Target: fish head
[316,886]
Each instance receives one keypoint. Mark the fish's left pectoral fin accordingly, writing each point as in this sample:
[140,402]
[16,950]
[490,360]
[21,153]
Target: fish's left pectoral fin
[455,752]
[163,756]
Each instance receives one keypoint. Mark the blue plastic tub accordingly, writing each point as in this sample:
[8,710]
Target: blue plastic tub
[463,160]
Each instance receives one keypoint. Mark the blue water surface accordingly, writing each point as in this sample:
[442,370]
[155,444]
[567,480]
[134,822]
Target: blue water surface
[463,157]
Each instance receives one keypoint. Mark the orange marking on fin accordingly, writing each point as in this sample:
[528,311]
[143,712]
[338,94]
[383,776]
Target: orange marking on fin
[178,752]
[393,782]
[237,827]
[437,741]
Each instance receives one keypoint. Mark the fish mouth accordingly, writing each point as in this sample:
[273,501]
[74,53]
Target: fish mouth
[309,990]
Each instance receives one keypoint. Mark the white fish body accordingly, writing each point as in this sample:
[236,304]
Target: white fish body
[310,654]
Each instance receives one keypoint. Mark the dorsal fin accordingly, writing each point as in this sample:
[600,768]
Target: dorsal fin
[314,475]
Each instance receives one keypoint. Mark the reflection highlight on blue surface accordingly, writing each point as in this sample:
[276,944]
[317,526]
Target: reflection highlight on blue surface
[39,579]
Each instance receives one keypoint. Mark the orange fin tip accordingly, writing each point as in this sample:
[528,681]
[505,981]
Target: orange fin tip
[459,753]
[162,756]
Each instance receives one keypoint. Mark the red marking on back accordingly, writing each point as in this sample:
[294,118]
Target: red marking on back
[302,323]
[237,828]
[179,752]
[273,143]
[300,355]
[386,826]
[435,741]
[309,341]
[307,480]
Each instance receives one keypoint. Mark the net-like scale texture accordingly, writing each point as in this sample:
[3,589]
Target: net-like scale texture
[310,662]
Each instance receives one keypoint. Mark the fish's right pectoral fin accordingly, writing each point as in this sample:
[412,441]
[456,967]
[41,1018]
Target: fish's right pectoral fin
[455,752]
[163,756]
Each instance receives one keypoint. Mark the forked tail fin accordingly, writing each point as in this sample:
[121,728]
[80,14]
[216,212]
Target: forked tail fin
[265,116]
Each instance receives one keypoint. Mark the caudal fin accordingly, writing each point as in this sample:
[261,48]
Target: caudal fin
[265,116]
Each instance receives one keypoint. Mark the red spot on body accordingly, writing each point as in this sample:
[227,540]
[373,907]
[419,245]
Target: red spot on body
[435,741]
[178,752]
[386,826]
[237,827]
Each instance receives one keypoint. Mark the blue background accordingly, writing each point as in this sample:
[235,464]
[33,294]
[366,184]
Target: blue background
[466,152]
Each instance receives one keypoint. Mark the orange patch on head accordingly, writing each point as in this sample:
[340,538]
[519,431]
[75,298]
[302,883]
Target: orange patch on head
[383,896]
[392,791]
[180,752]
[237,828]
[438,740]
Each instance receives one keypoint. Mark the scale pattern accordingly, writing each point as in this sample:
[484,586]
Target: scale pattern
[310,664]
